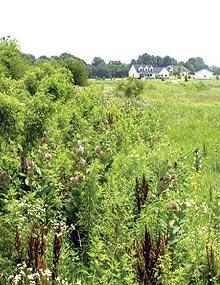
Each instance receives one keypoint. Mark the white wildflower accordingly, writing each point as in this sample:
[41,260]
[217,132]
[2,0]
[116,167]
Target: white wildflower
[17,278]
[47,272]
[30,276]
[80,150]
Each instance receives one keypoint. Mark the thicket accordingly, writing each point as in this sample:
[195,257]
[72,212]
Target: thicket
[130,87]
[91,192]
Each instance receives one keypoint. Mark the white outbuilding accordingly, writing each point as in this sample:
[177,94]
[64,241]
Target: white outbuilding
[203,74]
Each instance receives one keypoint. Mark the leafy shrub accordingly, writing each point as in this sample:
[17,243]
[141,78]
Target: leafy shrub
[50,78]
[131,87]
[6,84]
[200,85]
[10,117]
[12,64]
[32,80]
[37,111]
[56,86]
[78,71]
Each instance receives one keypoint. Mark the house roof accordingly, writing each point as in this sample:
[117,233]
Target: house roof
[185,69]
[206,70]
[176,68]
[155,69]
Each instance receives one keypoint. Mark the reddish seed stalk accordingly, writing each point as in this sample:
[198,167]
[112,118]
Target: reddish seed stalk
[211,265]
[141,193]
[36,248]
[147,255]
[56,252]
[18,247]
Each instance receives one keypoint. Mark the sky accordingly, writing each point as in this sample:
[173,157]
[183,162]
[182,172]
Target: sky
[114,29]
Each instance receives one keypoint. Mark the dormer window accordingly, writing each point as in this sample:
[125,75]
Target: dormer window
[140,68]
[146,68]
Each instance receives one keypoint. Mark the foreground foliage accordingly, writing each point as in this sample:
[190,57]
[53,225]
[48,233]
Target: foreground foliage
[103,187]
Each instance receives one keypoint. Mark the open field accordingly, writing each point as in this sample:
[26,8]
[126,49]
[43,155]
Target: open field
[101,188]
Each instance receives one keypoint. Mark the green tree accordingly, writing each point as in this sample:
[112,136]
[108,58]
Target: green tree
[114,68]
[100,71]
[78,71]
[29,57]
[146,59]
[215,70]
[167,60]
[195,64]
[12,63]
[97,61]
[155,60]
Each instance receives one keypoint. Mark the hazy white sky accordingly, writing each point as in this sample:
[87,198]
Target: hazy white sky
[115,29]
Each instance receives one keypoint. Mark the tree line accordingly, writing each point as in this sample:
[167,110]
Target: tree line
[100,69]
[116,69]
[14,63]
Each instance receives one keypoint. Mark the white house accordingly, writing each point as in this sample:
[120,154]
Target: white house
[134,72]
[203,74]
[144,71]
[178,69]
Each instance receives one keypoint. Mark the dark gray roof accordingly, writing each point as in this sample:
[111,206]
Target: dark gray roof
[177,67]
[185,69]
[155,69]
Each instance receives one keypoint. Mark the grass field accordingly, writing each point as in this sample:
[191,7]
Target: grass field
[189,118]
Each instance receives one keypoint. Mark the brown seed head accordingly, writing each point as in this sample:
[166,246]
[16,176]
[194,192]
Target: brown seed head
[48,157]
[74,180]
[80,150]
[97,149]
[82,162]
[175,207]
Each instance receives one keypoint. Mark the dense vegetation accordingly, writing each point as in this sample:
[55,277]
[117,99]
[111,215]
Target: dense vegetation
[109,183]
